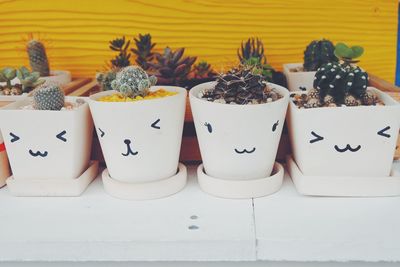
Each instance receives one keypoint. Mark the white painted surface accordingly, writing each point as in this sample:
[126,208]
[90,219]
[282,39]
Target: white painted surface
[98,230]
[292,227]
[298,80]
[98,227]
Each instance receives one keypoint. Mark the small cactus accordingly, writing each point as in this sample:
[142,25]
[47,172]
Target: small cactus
[318,53]
[104,79]
[38,58]
[29,80]
[133,81]
[48,97]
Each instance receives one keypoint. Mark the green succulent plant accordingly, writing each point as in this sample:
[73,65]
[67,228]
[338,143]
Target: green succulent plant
[348,54]
[252,48]
[7,74]
[104,79]
[144,50]
[259,68]
[29,80]
[121,46]
[203,70]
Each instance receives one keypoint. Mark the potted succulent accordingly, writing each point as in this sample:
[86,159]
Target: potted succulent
[16,83]
[239,120]
[251,53]
[54,159]
[39,63]
[141,140]
[301,76]
[342,127]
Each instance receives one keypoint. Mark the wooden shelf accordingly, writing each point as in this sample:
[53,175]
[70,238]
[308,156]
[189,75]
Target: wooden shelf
[285,226]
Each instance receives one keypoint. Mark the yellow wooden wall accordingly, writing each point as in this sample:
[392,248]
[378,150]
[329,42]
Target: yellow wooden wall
[77,32]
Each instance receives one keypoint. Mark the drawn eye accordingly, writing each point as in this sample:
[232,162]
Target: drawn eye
[102,133]
[209,127]
[275,126]
[382,132]
[14,138]
[316,139]
[154,124]
[61,136]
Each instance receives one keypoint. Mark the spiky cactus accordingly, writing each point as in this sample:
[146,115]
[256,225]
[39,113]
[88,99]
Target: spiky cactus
[104,79]
[48,97]
[144,50]
[133,81]
[341,83]
[121,46]
[38,58]
[253,48]
[318,53]
[172,68]
[240,86]
[29,80]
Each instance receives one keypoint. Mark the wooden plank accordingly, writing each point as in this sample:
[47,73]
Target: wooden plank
[383,85]
[85,89]
[97,227]
[75,84]
[77,36]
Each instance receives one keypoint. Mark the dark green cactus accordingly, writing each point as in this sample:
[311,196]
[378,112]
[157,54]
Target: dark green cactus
[144,50]
[318,53]
[339,80]
[38,58]
[104,79]
[48,97]
[29,80]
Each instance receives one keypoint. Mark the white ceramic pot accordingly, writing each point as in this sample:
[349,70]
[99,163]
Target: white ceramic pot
[238,142]
[60,77]
[345,141]
[43,144]
[298,80]
[140,140]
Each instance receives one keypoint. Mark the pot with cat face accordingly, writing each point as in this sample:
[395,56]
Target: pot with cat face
[47,144]
[345,141]
[238,142]
[140,140]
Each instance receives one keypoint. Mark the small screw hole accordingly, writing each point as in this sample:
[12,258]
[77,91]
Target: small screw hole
[193,227]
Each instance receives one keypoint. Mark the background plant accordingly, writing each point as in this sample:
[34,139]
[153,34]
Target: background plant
[317,53]
[144,50]
[38,58]
[121,46]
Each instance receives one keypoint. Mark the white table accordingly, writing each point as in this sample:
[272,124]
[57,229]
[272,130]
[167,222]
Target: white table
[285,229]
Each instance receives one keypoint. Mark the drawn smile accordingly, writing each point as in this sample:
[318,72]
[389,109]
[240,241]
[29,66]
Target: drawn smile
[38,153]
[245,151]
[129,149]
[347,148]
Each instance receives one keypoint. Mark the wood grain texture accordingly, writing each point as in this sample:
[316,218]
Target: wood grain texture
[77,32]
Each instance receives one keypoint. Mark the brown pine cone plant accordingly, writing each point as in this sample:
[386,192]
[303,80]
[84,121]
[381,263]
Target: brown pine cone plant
[144,50]
[121,46]
[171,67]
[241,86]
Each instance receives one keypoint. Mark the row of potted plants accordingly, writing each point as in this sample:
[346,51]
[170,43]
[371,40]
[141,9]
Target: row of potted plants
[238,118]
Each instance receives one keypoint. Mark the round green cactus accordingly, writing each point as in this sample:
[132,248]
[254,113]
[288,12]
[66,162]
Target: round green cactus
[133,81]
[317,53]
[48,97]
